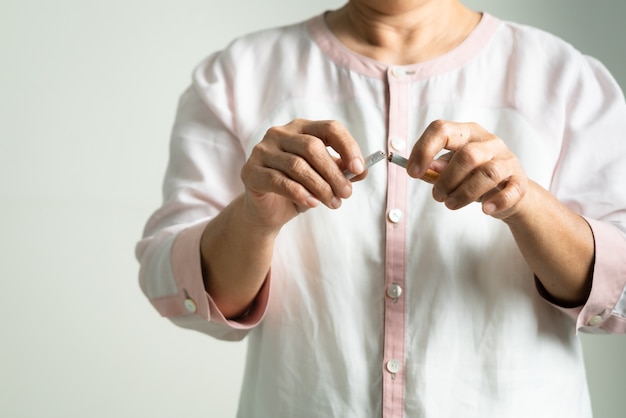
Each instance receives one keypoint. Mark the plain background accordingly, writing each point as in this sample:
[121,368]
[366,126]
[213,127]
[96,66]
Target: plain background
[88,92]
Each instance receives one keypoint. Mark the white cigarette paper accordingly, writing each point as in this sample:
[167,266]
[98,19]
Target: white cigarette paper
[370,160]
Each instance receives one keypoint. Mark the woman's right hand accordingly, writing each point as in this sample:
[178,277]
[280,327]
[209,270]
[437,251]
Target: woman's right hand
[291,170]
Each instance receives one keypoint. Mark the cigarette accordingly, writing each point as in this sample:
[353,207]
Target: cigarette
[431,176]
[370,160]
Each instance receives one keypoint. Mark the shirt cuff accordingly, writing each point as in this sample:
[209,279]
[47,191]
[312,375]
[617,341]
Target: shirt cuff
[192,299]
[605,309]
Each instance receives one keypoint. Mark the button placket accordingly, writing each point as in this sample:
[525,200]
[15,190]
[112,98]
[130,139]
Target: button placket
[395,246]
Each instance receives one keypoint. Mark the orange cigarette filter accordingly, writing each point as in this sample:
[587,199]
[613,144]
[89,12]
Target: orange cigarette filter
[431,176]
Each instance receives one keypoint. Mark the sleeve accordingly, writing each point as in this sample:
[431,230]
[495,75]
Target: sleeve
[202,177]
[590,180]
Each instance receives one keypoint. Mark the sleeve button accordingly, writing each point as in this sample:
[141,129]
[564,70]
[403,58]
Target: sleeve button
[595,321]
[190,305]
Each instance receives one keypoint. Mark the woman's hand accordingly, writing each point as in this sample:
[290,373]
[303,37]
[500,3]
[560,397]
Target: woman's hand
[556,242]
[479,167]
[291,170]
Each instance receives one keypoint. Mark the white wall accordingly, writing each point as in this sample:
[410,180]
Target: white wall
[87,95]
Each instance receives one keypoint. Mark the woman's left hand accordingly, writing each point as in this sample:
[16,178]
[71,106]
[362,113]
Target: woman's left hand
[480,167]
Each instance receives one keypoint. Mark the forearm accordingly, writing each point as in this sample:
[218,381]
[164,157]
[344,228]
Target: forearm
[288,172]
[557,244]
[236,256]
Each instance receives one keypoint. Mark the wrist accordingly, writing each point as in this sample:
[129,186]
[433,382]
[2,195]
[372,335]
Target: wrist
[246,216]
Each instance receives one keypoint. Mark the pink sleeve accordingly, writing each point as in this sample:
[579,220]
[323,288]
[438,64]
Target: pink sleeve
[605,309]
[192,307]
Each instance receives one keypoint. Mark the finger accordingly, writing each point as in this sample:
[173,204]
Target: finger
[261,176]
[300,170]
[475,187]
[473,170]
[440,135]
[499,202]
[310,163]
[436,167]
[269,180]
[473,166]
[336,136]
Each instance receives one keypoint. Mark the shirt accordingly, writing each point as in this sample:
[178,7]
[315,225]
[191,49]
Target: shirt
[393,305]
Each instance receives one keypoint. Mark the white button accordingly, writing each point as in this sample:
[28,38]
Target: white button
[595,321]
[398,72]
[398,143]
[394,366]
[394,291]
[395,215]
[190,305]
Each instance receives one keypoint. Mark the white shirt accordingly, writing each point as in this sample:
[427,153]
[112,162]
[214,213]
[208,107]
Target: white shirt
[394,305]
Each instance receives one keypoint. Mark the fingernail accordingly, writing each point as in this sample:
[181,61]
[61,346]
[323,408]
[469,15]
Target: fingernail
[347,191]
[451,203]
[489,208]
[335,203]
[357,166]
[413,170]
[312,201]
[438,196]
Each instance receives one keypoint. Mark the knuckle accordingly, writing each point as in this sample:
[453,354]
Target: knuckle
[274,132]
[469,192]
[250,167]
[511,192]
[295,164]
[494,137]
[336,132]
[275,181]
[517,188]
[491,172]
[260,148]
[259,153]
[333,126]
[312,147]
[439,126]
[245,173]
[476,127]
[297,122]
[470,155]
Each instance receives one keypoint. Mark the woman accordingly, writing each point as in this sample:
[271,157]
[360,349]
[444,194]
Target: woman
[383,295]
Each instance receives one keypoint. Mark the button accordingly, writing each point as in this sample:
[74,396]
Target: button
[398,144]
[394,291]
[394,366]
[398,72]
[395,215]
[595,321]
[190,305]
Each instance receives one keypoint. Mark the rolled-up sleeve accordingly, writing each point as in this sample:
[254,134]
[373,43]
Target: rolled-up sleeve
[605,309]
[191,306]
[206,156]
[589,180]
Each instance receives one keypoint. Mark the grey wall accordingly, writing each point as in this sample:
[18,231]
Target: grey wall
[87,95]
